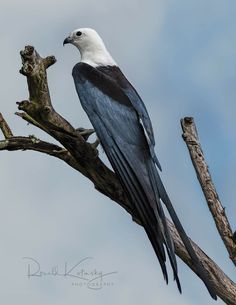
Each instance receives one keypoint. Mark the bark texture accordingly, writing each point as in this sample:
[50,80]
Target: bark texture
[191,139]
[83,157]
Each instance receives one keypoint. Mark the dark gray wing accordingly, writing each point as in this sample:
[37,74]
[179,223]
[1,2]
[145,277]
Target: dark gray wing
[114,72]
[122,136]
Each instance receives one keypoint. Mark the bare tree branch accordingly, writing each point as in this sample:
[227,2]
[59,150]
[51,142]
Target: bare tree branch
[30,120]
[191,139]
[5,128]
[32,143]
[225,287]
[83,157]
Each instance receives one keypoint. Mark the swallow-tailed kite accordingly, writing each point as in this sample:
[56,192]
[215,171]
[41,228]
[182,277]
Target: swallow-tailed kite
[123,126]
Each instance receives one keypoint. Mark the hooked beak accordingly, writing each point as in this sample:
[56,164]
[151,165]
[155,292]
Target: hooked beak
[67,40]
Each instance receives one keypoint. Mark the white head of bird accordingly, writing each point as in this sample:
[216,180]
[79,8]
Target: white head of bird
[91,47]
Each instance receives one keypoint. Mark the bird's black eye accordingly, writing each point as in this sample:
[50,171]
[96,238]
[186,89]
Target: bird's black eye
[78,33]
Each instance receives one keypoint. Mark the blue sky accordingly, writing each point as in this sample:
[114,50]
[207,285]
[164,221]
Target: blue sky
[180,55]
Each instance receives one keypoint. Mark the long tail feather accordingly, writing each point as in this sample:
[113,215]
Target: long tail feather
[198,265]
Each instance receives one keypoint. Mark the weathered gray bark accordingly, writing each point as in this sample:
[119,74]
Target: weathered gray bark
[191,139]
[83,157]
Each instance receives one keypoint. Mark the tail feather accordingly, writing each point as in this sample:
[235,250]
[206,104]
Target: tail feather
[168,239]
[198,265]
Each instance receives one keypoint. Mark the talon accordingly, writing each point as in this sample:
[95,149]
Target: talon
[85,133]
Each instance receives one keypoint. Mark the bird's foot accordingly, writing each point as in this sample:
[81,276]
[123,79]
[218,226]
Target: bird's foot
[85,133]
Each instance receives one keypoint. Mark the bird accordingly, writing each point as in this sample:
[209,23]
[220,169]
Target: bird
[123,126]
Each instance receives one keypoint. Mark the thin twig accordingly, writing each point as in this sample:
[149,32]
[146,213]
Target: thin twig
[191,139]
[30,120]
[5,128]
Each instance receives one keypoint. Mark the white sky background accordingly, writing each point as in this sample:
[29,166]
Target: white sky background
[180,55]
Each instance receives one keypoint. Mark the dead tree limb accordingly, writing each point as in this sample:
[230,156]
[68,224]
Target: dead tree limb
[191,139]
[5,128]
[225,287]
[83,157]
